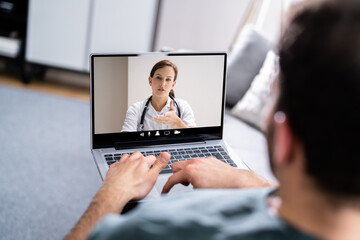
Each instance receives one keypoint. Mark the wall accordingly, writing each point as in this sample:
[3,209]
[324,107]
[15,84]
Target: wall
[205,25]
[111,89]
[269,19]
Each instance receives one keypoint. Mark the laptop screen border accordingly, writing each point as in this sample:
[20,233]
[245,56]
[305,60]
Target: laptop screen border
[131,139]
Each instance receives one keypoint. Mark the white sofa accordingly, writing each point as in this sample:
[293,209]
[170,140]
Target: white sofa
[249,144]
[252,66]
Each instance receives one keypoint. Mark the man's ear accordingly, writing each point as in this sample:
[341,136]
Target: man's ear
[284,141]
[150,81]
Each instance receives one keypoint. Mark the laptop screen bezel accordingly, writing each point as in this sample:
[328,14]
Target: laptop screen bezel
[131,139]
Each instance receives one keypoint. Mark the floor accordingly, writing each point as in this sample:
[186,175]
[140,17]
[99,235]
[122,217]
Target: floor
[52,87]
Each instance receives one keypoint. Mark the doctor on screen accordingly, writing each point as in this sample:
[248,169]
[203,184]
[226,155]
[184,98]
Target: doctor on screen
[161,110]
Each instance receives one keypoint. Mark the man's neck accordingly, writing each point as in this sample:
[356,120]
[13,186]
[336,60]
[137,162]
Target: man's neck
[159,102]
[319,214]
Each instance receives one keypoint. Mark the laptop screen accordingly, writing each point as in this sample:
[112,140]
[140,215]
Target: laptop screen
[156,97]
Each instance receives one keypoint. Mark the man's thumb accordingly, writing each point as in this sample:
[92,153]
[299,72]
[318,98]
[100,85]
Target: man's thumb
[160,162]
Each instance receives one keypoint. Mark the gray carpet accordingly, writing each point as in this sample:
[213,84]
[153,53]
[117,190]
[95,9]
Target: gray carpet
[47,173]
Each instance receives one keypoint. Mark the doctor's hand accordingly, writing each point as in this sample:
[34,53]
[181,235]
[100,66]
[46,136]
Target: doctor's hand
[212,173]
[170,118]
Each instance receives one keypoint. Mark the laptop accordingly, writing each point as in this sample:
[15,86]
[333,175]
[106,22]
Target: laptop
[119,83]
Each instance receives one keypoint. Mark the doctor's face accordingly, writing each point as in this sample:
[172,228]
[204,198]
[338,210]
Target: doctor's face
[162,81]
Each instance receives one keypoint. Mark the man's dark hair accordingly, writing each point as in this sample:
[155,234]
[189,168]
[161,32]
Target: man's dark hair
[320,91]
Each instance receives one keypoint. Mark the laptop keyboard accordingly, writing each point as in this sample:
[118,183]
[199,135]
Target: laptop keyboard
[181,155]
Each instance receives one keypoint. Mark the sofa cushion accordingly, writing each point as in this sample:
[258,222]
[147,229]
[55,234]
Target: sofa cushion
[245,61]
[251,107]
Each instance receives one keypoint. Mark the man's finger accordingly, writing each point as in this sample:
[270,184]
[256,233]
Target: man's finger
[150,160]
[177,166]
[135,155]
[124,156]
[160,162]
[176,178]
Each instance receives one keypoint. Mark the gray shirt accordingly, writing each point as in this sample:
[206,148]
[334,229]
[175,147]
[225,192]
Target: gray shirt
[201,214]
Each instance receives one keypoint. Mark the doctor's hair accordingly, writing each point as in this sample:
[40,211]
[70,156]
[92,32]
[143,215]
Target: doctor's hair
[320,92]
[165,63]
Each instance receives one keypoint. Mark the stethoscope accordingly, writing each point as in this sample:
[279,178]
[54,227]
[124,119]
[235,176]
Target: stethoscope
[141,126]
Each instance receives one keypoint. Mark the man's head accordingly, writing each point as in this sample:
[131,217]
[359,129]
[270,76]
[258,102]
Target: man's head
[319,92]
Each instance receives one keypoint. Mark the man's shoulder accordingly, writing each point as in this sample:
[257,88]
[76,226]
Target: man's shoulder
[221,204]
[198,196]
[201,214]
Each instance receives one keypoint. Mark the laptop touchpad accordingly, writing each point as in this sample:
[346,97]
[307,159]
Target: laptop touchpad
[162,179]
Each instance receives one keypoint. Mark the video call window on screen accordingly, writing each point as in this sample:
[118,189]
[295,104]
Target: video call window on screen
[158,92]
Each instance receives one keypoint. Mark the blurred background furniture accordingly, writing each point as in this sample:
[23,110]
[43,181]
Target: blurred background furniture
[62,34]
[13,24]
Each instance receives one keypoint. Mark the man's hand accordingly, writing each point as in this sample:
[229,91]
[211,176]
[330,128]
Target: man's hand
[212,173]
[130,178]
[170,118]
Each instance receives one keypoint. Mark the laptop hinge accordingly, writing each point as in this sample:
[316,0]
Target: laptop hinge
[158,141]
